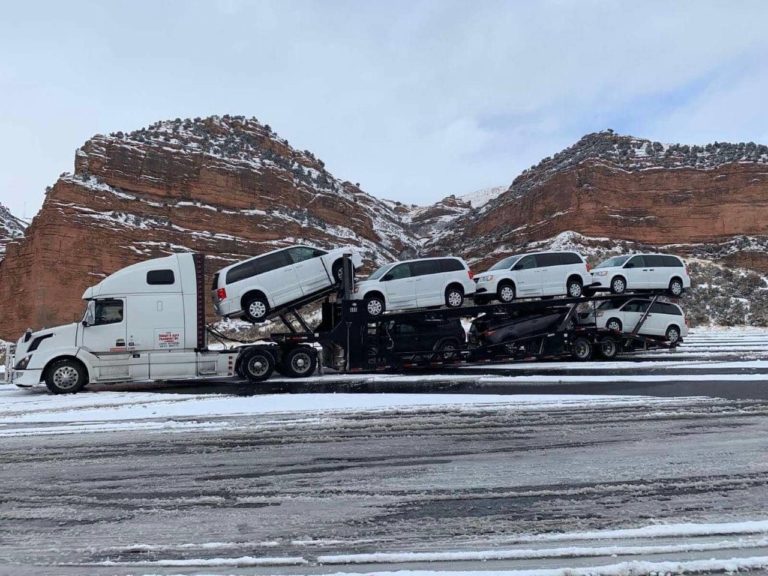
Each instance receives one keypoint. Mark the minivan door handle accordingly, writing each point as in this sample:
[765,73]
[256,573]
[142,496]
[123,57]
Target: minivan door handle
[120,342]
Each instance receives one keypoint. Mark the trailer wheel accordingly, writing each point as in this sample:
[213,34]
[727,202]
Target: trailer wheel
[609,348]
[582,349]
[300,362]
[448,349]
[673,334]
[258,365]
[255,308]
[454,297]
[65,376]
[374,305]
[676,287]
[618,285]
[614,324]
[574,288]
[506,292]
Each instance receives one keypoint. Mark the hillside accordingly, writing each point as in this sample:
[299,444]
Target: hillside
[11,228]
[230,187]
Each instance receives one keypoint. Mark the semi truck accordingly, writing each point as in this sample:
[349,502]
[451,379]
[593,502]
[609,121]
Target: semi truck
[147,322]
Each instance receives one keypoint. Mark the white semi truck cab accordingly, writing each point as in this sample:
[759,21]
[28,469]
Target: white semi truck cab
[144,322]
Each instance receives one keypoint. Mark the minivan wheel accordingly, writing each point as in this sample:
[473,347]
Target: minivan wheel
[338,271]
[65,377]
[673,334]
[454,297]
[676,287]
[374,305]
[255,308]
[614,324]
[448,349]
[618,285]
[300,362]
[506,292]
[582,349]
[574,288]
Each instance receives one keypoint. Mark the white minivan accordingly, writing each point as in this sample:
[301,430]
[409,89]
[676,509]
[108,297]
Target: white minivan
[256,286]
[642,272]
[533,275]
[664,319]
[416,284]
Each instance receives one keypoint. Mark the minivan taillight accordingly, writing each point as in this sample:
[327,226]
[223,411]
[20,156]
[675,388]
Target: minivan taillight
[589,268]
[471,274]
[221,293]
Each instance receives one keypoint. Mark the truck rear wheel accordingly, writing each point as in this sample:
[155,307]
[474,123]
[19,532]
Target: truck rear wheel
[300,362]
[65,377]
[582,349]
[258,365]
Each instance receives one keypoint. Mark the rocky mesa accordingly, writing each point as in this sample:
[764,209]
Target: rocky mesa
[231,188]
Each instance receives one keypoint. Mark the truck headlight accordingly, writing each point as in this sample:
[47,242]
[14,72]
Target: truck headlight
[23,363]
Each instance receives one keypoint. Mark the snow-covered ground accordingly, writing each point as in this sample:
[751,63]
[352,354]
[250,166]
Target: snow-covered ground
[135,481]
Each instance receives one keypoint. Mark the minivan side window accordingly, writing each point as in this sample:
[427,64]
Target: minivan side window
[450,265]
[526,263]
[108,312]
[570,258]
[654,260]
[259,265]
[635,262]
[672,262]
[636,306]
[400,271]
[425,267]
[160,277]
[548,259]
[665,308]
[301,253]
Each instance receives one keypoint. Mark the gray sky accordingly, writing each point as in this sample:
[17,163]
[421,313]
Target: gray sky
[415,100]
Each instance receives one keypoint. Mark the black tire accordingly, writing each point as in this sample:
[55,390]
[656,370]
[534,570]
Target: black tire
[506,292]
[449,349]
[374,305]
[454,296]
[614,324]
[300,362]
[574,288]
[618,285]
[588,292]
[608,348]
[255,308]
[338,271]
[582,349]
[65,376]
[257,364]
[675,287]
[673,334]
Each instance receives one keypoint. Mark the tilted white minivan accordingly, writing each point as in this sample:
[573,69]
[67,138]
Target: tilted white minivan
[533,275]
[255,287]
[664,319]
[642,272]
[416,284]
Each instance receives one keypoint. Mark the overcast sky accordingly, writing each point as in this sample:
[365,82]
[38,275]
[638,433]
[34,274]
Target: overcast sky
[415,100]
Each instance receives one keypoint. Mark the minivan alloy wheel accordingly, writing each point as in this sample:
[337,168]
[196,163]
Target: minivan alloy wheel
[454,298]
[574,289]
[676,287]
[257,309]
[618,285]
[673,334]
[506,293]
[374,307]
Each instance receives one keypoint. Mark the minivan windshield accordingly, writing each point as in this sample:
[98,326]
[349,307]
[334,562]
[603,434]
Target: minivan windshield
[380,272]
[615,261]
[506,264]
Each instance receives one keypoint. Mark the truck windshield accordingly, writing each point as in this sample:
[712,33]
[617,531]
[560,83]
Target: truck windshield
[505,264]
[615,261]
[380,272]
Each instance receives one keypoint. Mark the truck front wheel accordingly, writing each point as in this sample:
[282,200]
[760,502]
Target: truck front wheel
[65,377]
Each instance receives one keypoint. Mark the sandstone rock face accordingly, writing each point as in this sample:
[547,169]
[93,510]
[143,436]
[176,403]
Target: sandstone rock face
[227,187]
[11,229]
[626,189]
[231,188]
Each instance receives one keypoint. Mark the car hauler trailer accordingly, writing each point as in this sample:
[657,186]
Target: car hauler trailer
[148,322]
